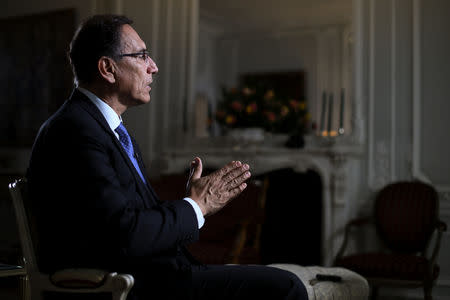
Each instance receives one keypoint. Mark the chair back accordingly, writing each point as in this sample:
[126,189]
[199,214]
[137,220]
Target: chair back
[18,191]
[406,213]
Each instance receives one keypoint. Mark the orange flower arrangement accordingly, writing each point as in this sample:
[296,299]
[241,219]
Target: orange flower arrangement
[258,106]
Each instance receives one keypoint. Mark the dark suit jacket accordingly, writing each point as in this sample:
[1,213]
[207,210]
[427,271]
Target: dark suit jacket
[93,210]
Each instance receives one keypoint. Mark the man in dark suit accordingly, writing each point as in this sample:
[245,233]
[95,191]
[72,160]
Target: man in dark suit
[94,206]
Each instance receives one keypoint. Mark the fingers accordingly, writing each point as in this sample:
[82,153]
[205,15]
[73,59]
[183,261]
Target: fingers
[237,190]
[237,175]
[237,180]
[228,168]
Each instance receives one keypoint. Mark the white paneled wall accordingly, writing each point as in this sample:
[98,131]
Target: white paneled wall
[402,61]
[431,106]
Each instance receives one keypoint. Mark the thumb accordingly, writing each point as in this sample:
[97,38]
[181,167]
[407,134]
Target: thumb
[196,169]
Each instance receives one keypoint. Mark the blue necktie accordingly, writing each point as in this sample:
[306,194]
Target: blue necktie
[125,140]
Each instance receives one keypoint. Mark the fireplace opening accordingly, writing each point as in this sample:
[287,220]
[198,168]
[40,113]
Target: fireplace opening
[292,231]
[289,230]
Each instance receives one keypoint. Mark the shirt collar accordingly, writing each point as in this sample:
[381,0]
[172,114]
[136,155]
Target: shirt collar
[112,118]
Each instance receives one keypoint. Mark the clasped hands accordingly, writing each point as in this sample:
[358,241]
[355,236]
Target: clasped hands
[214,191]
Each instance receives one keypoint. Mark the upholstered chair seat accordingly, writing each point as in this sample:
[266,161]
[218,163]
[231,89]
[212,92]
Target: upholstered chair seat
[394,266]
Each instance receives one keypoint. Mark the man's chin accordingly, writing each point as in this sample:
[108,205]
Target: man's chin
[140,101]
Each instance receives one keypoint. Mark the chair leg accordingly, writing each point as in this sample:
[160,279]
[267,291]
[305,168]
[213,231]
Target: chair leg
[427,292]
[374,293]
[24,283]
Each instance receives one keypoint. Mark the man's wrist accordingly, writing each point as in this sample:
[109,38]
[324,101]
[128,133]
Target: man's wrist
[198,211]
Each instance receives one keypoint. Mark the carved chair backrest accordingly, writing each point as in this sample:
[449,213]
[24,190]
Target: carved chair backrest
[406,214]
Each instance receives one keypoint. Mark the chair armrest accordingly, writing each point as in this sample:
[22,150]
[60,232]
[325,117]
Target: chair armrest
[12,270]
[86,281]
[78,278]
[352,223]
[441,227]
[81,278]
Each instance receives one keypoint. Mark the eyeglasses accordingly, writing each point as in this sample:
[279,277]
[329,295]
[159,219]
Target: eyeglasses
[144,55]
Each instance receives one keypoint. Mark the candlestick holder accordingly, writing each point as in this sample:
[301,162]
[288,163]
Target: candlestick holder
[326,138]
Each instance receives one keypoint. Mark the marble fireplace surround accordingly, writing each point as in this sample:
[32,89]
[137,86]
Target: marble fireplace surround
[331,161]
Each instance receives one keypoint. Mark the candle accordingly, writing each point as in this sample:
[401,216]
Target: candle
[330,112]
[322,113]
[341,115]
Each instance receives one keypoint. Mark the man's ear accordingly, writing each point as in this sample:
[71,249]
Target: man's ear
[107,68]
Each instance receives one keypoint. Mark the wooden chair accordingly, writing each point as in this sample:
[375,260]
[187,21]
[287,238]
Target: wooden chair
[63,281]
[405,217]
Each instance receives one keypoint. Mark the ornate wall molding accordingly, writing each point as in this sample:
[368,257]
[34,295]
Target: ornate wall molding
[418,172]
[371,106]
[393,96]
[382,153]
[357,120]
[417,80]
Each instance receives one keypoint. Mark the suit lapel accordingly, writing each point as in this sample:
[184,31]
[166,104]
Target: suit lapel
[90,107]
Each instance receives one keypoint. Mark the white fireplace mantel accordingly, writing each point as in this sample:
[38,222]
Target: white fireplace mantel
[261,158]
[329,161]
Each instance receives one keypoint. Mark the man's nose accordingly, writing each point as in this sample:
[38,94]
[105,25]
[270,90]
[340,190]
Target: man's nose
[152,67]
